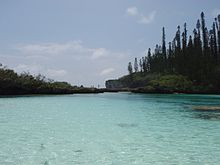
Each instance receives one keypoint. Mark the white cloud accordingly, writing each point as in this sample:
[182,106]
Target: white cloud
[147,19]
[132,11]
[141,18]
[74,48]
[99,52]
[73,62]
[51,48]
[107,71]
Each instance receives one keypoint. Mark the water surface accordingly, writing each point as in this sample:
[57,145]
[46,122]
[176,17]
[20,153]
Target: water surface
[109,129]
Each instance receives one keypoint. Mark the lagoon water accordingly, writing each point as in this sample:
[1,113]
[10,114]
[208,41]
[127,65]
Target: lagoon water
[109,129]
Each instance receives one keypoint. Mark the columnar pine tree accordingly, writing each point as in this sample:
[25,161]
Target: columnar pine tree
[184,38]
[144,64]
[164,43]
[141,65]
[198,26]
[164,54]
[204,33]
[191,62]
[178,39]
[170,58]
[178,55]
[196,57]
[218,28]
[149,60]
[135,65]
[130,69]
[184,47]
[213,43]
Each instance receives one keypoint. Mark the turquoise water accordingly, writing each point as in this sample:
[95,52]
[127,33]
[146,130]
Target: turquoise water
[109,129]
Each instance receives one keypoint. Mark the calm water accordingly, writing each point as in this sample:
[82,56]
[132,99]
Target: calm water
[109,129]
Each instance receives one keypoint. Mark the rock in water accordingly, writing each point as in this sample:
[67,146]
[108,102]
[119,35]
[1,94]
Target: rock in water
[46,163]
[207,108]
[42,147]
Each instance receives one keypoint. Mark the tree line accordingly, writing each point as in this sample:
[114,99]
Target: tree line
[12,83]
[196,56]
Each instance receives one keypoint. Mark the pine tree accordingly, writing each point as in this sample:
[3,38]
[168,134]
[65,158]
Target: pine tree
[164,43]
[191,60]
[145,67]
[198,58]
[184,38]
[197,39]
[135,65]
[130,69]
[218,29]
[149,60]
[157,50]
[178,56]
[144,64]
[214,45]
[211,40]
[178,42]
[170,58]
[204,32]
[183,52]
[198,26]
[141,65]
[164,55]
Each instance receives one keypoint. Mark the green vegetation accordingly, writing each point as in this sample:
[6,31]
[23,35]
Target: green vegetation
[12,83]
[172,83]
[189,65]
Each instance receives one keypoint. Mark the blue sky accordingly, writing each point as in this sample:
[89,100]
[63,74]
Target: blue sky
[86,42]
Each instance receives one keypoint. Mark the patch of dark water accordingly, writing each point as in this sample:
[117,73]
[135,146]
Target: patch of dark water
[127,125]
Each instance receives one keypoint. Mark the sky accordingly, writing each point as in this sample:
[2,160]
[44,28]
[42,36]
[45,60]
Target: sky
[86,42]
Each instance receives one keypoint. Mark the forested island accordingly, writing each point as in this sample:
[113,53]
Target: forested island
[189,64]
[12,83]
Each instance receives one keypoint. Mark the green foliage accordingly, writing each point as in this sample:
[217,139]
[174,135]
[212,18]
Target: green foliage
[12,83]
[198,60]
[130,69]
[138,80]
[172,82]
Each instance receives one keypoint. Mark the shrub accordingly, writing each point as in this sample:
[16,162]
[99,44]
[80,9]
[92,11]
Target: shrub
[172,82]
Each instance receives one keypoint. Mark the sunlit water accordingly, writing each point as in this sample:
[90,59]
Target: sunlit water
[109,129]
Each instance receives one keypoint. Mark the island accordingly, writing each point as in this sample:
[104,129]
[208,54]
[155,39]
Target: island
[12,83]
[189,64]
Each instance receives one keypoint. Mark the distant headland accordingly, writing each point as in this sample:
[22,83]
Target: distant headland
[12,83]
[189,64]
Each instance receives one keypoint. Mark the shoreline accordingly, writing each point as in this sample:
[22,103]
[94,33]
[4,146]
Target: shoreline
[159,91]
[105,90]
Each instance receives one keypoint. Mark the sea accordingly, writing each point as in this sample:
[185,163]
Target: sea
[109,129]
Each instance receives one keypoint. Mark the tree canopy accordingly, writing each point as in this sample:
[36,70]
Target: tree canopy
[196,56]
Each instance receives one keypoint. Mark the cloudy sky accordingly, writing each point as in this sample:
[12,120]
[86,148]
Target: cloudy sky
[86,42]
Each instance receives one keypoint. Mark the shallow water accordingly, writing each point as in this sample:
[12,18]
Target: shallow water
[109,129]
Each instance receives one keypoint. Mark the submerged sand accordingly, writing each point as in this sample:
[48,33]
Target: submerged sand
[207,108]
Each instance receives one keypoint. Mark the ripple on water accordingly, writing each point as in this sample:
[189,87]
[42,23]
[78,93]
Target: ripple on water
[108,129]
[127,125]
[78,151]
